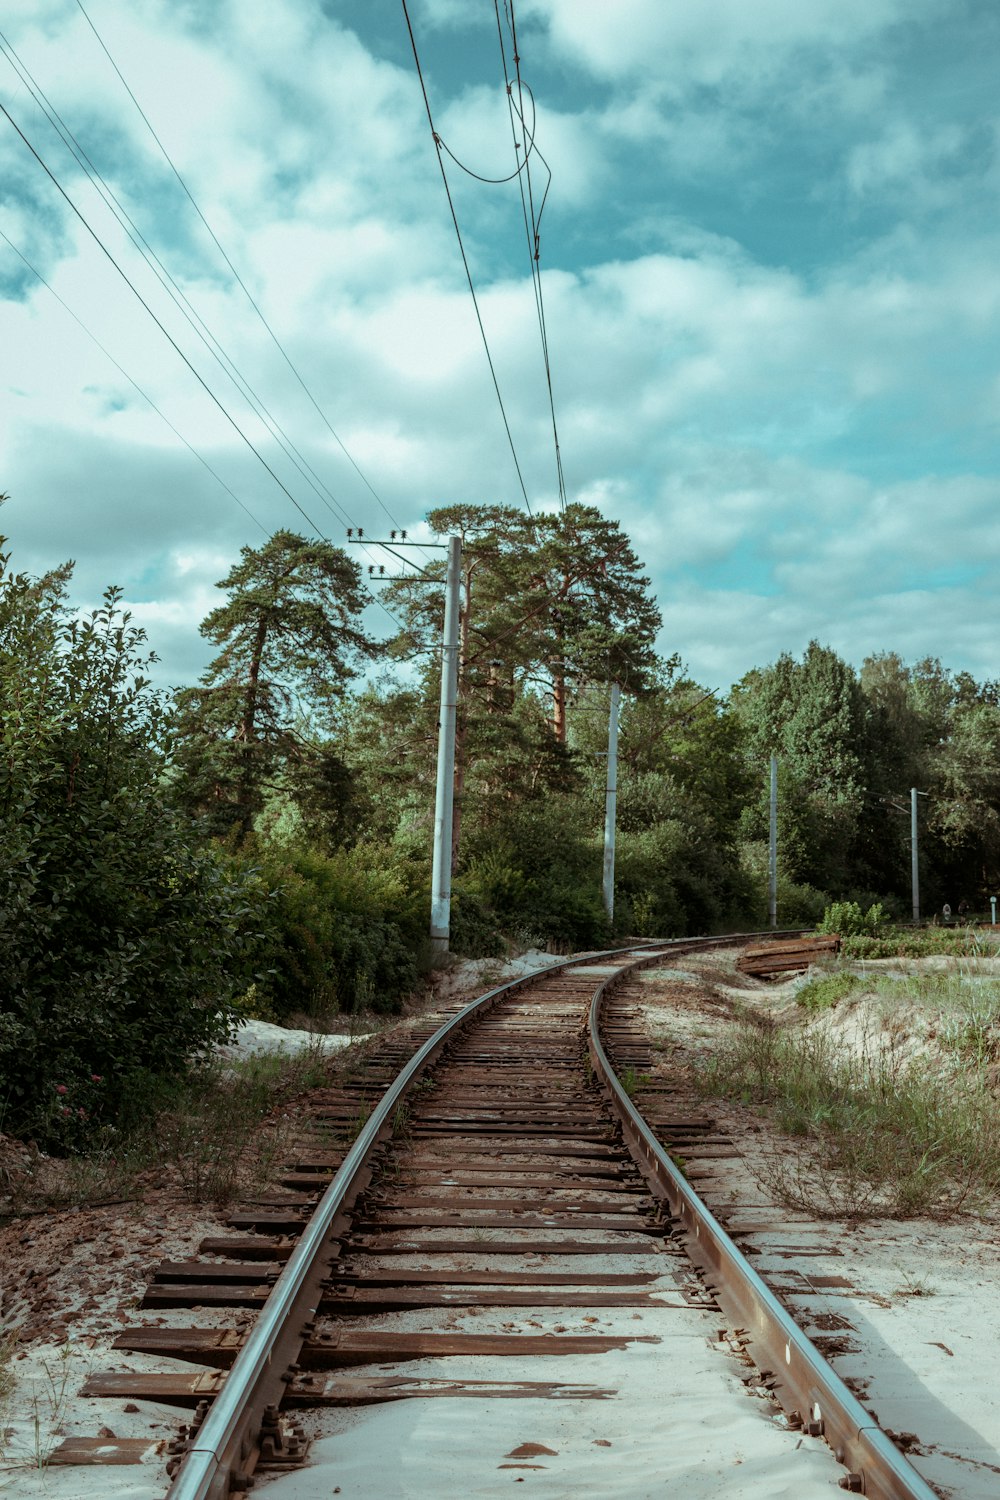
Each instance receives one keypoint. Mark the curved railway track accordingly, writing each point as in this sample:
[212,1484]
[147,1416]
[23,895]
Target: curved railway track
[506,1208]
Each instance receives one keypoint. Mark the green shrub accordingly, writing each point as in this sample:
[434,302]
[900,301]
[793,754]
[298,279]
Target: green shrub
[342,932]
[847,919]
[123,940]
[541,870]
[474,929]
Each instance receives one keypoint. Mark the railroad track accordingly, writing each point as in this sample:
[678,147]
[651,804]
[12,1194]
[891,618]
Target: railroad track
[504,1208]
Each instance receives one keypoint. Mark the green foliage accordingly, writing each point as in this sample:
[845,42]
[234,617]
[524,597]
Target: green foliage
[889,1132]
[475,932]
[847,919]
[290,636]
[123,942]
[799,905]
[540,869]
[814,716]
[904,942]
[828,991]
[343,932]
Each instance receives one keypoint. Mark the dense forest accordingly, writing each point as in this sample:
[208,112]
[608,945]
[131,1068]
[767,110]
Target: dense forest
[259,843]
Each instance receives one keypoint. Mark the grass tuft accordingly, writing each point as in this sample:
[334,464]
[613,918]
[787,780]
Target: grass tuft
[886,1131]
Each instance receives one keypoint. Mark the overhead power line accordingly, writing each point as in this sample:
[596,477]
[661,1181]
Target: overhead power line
[465,258]
[135,385]
[173,290]
[532,221]
[160,325]
[235,273]
[172,341]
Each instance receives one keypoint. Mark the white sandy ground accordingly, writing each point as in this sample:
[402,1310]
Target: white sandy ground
[256,1037]
[679,1421]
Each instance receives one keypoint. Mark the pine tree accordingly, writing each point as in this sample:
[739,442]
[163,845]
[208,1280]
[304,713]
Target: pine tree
[290,637]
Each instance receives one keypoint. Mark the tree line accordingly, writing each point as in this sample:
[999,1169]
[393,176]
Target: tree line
[259,842]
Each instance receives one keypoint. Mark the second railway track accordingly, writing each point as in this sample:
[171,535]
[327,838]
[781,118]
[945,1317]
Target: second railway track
[507,1227]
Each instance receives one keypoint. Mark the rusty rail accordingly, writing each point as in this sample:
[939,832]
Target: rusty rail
[802,1381]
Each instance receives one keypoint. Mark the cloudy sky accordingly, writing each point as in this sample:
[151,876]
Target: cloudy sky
[771,271]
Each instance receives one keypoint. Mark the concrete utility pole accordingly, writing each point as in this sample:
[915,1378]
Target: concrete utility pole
[914,855]
[772,850]
[444,802]
[611,804]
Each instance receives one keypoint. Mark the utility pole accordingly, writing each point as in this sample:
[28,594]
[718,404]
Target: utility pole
[611,804]
[772,850]
[444,801]
[914,855]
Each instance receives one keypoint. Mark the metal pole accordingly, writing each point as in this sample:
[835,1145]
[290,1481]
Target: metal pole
[611,804]
[772,851]
[444,802]
[914,856]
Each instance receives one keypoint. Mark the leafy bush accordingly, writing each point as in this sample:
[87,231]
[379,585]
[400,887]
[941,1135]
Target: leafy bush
[847,919]
[343,933]
[799,905]
[123,942]
[474,930]
[541,871]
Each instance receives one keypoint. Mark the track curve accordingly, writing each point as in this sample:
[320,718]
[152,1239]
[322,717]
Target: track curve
[507,1154]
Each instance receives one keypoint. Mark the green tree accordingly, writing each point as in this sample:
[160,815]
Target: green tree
[814,716]
[682,784]
[548,603]
[291,636]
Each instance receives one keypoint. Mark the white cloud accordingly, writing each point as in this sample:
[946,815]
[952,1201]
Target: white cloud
[692,46]
[924,165]
[756,424]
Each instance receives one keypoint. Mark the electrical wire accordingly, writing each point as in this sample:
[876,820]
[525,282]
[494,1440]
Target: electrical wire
[235,273]
[181,301]
[172,341]
[136,386]
[465,259]
[170,286]
[532,222]
[161,326]
[490,181]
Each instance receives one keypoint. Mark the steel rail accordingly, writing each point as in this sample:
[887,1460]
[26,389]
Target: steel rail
[801,1379]
[224,1441]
